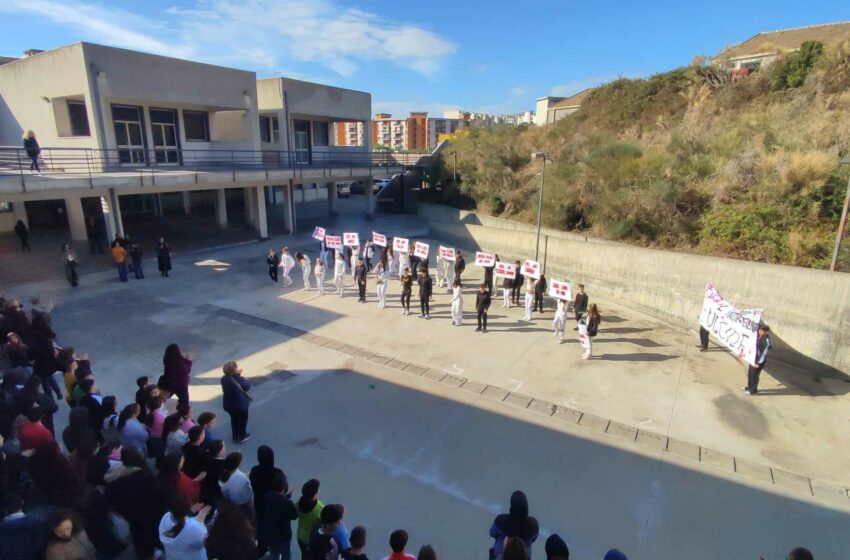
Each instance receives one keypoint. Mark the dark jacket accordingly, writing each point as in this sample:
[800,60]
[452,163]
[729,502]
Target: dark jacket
[163,256]
[540,287]
[460,265]
[482,301]
[425,286]
[278,514]
[517,523]
[21,230]
[360,273]
[519,280]
[261,477]
[488,273]
[235,389]
[32,147]
[177,374]
[273,261]
[580,303]
[592,327]
[136,254]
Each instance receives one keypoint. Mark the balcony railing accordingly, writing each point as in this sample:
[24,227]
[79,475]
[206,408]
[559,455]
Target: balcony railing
[90,163]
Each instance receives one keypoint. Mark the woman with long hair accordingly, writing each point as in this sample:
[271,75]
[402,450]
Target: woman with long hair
[406,291]
[133,434]
[66,540]
[457,303]
[177,372]
[163,257]
[383,279]
[33,150]
[319,273]
[591,322]
[172,433]
[287,263]
[173,481]
[304,262]
[183,536]
[231,535]
[235,485]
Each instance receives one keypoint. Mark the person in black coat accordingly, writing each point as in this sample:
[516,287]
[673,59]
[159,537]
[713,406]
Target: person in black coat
[460,266]
[262,477]
[33,150]
[488,276]
[24,235]
[425,291]
[517,523]
[482,304]
[580,304]
[539,291]
[275,528]
[274,263]
[360,278]
[236,400]
[163,256]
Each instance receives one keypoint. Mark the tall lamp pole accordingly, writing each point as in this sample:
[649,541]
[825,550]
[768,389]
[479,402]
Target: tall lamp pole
[543,156]
[843,223]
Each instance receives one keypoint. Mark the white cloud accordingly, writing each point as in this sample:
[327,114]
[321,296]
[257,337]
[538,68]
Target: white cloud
[258,33]
[571,88]
[518,91]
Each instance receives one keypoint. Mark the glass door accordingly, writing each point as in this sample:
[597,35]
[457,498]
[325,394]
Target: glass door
[129,138]
[166,148]
[302,141]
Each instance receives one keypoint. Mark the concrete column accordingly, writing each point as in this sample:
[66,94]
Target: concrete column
[331,199]
[288,207]
[157,205]
[111,216]
[19,212]
[221,208]
[250,205]
[262,219]
[187,202]
[76,218]
[370,197]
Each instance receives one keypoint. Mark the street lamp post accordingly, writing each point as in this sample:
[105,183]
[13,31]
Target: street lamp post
[843,223]
[543,156]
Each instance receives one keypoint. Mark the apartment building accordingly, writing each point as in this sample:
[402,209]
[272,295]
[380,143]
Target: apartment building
[351,133]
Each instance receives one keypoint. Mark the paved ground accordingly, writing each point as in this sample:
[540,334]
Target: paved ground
[401,445]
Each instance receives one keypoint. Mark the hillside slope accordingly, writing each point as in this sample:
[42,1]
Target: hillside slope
[691,159]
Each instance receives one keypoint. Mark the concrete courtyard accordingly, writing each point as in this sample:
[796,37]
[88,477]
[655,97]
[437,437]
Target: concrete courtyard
[651,447]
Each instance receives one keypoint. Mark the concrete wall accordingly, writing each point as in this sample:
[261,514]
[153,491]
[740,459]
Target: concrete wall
[808,310]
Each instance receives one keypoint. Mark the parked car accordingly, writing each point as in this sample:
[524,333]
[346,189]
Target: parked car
[358,187]
[380,183]
[343,190]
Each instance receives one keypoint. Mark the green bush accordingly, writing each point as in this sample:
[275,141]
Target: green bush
[791,70]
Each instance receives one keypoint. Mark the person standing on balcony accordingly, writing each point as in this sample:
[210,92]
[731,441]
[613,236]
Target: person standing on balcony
[274,262]
[69,260]
[163,256]
[286,263]
[119,254]
[24,235]
[33,150]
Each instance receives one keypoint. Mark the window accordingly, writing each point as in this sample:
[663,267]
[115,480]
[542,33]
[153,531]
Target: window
[197,126]
[269,130]
[320,133]
[79,118]
[6,207]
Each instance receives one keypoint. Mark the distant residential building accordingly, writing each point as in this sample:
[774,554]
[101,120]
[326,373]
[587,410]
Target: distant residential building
[350,133]
[764,48]
[541,109]
[516,119]
[552,109]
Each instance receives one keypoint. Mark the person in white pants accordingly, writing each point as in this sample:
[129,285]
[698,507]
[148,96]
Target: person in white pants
[403,263]
[352,265]
[391,262]
[442,278]
[383,278]
[529,297]
[304,263]
[287,263]
[457,303]
[560,320]
[319,273]
[507,285]
[339,274]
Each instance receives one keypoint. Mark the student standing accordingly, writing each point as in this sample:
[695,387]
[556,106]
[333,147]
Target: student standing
[136,257]
[539,291]
[33,150]
[286,263]
[516,286]
[403,263]
[460,266]
[177,372]
[488,276]
[163,256]
[304,262]
[181,534]
[529,297]
[425,291]
[457,303]
[319,273]
[703,339]
[507,286]
[352,259]
[273,261]
[411,256]
[517,523]
[580,304]
[406,291]
[119,255]
[24,235]
[482,304]
[368,253]
[592,327]
[275,527]
[261,477]
[309,515]
[442,272]
[382,278]
[236,400]
[360,279]
[559,322]
[339,273]
[69,262]
[754,370]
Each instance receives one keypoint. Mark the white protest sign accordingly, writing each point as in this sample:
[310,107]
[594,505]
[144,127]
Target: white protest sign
[421,250]
[583,337]
[484,259]
[447,253]
[560,290]
[400,244]
[505,270]
[350,239]
[737,329]
[379,239]
[333,241]
[531,269]
[318,233]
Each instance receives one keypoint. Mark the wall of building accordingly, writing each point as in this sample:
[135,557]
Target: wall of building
[808,310]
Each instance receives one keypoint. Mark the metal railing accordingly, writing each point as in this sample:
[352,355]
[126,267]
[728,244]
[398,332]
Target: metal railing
[87,163]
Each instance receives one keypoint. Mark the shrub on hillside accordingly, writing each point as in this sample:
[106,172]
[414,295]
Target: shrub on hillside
[790,70]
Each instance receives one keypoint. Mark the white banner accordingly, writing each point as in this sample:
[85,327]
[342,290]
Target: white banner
[505,270]
[484,259]
[379,239]
[318,233]
[736,329]
[333,241]
[421,250]
[400,244]
[447,253]
[350,239]
[531,269]
[583,337]
[560,290]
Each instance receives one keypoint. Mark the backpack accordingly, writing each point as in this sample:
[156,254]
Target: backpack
[324,547]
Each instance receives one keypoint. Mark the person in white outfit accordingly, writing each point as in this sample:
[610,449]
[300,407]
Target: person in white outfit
[560,320]
[507,286]
[442,278]
[352,264]
[403,263]
[319,273]
[457,303]
[382,279]
[287,263]
[304,262]
[183,536]
[391,262]
[367,255]
[339,274]
[529,297]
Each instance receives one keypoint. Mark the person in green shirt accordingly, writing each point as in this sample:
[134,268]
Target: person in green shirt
[309,515]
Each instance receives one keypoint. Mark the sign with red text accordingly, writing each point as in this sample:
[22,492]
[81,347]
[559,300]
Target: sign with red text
[505,270]
[350,239]
[447,253]
[485,259]
[736,328]
[333,241]
[318,233]
[400,244]
[560,290]
[583,337]
[379,239]
[531,269]
[421,250]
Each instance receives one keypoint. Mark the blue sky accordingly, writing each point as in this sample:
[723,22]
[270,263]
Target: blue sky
[495,56]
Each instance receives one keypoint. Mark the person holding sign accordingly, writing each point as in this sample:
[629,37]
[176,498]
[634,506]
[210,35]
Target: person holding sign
[507,285]
[368,253]
[382,277]
[460,266]
[482,304]
[339,274]
[273,261]
[360,279]
[529,297]
[406,290]
[457,303]
[403,262]
[754,370]
[319,273]
[413,258]
[287,263]
[488,275]
[425,290]
[442,271]
[519,279]
[580,304]
[304,262]
[560,320]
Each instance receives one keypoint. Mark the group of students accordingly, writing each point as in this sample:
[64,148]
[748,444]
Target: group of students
[128,257]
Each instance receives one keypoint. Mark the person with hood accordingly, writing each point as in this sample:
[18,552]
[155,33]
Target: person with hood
[615,554]
[33,150]
[309,515]
[516,523]
[261,477]
[23,234]
[163,257]
[183,536]
[176,372]
[78,428]
[556,548]
[275,529]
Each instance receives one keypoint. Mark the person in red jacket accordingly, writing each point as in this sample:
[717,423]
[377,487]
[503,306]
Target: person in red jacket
[34,434]
[177,370]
